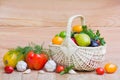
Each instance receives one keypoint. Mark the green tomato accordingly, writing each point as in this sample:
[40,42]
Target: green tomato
[62,34]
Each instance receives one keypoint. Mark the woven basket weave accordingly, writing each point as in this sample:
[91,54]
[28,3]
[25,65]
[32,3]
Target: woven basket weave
[83,58]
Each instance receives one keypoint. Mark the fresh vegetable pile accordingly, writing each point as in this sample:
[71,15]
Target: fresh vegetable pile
[28,58]
[82,36]
[35,57]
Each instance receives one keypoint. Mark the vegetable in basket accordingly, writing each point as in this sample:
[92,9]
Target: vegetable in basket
[87,56]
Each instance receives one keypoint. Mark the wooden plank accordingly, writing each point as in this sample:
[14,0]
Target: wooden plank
[47,76]
[32,76]
[56,12]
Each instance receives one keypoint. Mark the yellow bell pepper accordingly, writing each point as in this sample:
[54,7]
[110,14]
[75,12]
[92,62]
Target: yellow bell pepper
[12,57]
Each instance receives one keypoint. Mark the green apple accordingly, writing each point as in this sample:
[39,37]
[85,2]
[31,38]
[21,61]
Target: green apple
[82,39]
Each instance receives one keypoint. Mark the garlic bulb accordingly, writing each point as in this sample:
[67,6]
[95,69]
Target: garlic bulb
[72,71]
[21,66]
[50,66]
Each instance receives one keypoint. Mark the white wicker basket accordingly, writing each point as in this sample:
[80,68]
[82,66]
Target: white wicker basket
[83,58]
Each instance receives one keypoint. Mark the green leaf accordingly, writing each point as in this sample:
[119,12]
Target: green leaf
[84,27]
[19,49]
[62,73]
[27,49]
[67,69]
[98,33]
[38,49]
[92,35]
[102,41]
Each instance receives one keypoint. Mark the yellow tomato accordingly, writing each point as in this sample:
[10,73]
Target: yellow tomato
[77,28]
[12,57]
[110,68]
[57,40]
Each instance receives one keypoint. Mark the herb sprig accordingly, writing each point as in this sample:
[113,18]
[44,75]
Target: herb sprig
[95,36]
[67,69]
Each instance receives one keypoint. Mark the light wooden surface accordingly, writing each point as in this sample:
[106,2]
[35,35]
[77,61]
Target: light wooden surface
[11,37]
[56,12]
[25,21]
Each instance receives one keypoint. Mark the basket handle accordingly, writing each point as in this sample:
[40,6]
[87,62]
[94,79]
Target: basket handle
[67,41]
[69,25]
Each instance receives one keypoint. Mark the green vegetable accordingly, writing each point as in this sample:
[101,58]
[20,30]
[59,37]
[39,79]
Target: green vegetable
[67,69]
[92,35]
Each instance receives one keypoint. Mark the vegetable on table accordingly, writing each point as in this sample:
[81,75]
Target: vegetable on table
[59,68]
[9,69]
[50,66]
[36,58]
[67,69]
[41,71]
[110,68]
[72,71]
[27,71]
[12,57]
[100,71]
[21,66]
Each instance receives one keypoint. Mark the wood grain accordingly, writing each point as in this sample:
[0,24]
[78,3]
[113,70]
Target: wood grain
[32,76]
[103,13]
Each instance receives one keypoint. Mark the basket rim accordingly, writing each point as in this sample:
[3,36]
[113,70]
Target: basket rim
[77,46]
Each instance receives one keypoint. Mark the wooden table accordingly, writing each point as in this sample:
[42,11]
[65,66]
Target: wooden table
[25,21]
[11,37]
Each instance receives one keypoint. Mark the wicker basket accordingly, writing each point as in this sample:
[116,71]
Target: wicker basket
[83,58]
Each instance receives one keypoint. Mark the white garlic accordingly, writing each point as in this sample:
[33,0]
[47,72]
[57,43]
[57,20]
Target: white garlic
[21,66]
[72,71]
[50,66]
[27,71]
[41,71]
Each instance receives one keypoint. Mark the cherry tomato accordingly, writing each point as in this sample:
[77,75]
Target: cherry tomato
[59,68]
[36,61]
[77,28]
[100,71]
[57,40]
[110,68]
[9,69]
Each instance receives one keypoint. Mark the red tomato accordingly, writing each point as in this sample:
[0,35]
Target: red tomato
[36,61]
[100,71]
[9,69]
[59,68]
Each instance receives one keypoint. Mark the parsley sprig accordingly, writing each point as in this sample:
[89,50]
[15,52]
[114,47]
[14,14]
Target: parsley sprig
[67,69]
